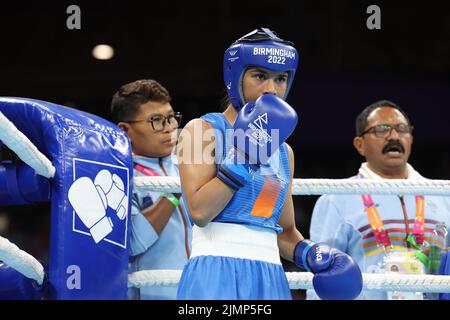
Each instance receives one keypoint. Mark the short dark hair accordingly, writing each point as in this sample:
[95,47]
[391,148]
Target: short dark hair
[361,119]
[126,102]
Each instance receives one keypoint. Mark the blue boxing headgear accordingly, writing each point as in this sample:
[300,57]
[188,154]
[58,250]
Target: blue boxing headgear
[260,48]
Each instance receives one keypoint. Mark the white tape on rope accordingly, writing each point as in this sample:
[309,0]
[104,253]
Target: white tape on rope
[303,280]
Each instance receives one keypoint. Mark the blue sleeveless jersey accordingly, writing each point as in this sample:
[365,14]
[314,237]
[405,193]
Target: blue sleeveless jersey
[260,202]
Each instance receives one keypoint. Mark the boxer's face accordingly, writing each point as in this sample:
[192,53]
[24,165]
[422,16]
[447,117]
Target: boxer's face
[387,150]
[157,140]
[258,81]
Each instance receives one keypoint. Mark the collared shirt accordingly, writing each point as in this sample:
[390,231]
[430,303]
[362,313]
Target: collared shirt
[341,222]
[148,251]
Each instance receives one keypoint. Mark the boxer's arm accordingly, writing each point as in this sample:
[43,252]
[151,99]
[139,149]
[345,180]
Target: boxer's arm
[290,235]
[206,196]
[337,276]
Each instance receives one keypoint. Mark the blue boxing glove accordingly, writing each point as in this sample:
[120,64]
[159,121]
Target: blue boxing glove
[260,128]
[336,275]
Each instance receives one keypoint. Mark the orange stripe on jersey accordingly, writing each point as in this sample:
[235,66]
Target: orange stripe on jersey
[267,198]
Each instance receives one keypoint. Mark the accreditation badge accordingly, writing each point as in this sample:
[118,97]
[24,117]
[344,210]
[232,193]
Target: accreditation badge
[404,262]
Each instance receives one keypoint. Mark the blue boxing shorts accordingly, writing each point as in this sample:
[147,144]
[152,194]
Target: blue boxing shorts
[233,262]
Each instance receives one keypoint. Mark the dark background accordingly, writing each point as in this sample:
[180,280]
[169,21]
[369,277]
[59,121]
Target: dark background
[343,67]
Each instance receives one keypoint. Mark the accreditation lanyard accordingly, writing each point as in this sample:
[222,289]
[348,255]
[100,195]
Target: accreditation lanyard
[147,171]
[419,220]
[381,234]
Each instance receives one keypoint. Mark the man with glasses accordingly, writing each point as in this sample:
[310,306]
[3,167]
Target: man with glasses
[160,227]
[383,233]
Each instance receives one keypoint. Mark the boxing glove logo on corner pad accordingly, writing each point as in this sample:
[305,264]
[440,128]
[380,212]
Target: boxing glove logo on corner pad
[99,197]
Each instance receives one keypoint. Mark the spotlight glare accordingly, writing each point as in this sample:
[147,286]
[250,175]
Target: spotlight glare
[103,52]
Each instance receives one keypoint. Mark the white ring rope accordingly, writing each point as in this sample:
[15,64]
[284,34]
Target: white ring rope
[386,282]
[21,261]
[24,148]
[325,186]
[303,280]
[146,278]
[31,268]
[10,254]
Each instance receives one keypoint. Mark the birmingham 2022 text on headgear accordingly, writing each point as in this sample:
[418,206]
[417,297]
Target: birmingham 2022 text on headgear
[259,48]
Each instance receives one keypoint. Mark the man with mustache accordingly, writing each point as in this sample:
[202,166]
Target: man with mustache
[383,232]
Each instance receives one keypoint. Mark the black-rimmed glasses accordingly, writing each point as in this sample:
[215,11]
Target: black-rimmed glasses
[384,130]
[159,121]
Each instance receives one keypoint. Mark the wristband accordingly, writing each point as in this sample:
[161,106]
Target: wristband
[300,253]
[171,198]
